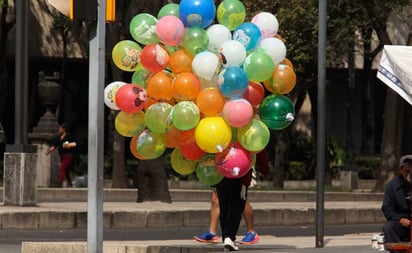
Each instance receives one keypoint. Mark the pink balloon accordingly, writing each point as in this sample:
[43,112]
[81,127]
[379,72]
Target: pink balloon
[237,112]
[170,30]
[234,161]
[130,98]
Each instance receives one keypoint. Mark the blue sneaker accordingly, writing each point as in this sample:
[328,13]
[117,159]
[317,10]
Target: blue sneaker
[250,238]
[207,237]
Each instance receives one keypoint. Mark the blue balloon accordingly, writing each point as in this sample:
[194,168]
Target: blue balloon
[248,34]
[233,81]
[197,12]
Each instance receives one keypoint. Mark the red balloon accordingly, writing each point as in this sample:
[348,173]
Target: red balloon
[190,150]
[254,93]
[234,161]
[154,57]
[130,98]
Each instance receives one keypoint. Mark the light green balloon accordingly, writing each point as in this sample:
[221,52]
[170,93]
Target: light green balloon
[207,172]
[258,66]
[231,13]
[143,28]
[140,75]
[171,9]
[157,117]
[254,136]
[151,145]
[195,40]
[185,115]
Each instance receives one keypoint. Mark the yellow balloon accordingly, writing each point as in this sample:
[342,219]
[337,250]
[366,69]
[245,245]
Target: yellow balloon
[213,134]
[129,124]
[180,164]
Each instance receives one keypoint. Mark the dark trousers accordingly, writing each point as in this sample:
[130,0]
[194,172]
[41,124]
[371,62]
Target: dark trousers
[231,206]
[65,163]
[395,232]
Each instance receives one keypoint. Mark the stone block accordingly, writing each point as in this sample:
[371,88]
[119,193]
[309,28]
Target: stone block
[165,219]
[196,218]
[59,220]
[19,179]
[129,219]
[268,217]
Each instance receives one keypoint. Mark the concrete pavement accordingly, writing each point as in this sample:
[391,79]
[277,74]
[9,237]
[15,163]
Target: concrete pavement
[67,208]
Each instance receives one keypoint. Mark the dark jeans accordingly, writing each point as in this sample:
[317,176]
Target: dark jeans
[231,206]
[395,232]
[66,161]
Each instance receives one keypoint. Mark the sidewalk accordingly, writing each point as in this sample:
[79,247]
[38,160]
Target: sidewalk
[358,243]
[67,208]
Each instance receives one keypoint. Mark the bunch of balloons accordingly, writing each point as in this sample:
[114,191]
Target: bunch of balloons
[199,87]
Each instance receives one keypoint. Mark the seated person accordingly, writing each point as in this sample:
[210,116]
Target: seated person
[396,204]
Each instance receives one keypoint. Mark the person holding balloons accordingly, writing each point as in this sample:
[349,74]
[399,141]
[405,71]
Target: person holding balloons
[231,200]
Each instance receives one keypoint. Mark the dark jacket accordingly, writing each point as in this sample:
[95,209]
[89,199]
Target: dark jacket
[395,204]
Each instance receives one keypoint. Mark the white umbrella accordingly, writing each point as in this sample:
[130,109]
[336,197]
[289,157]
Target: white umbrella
[395,70]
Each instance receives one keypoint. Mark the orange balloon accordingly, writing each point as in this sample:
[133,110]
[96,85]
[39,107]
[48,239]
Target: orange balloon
[159,86]
[175,136]
[286,61]
[133,147]
[283,80]
[186,86]
[150,101]
[180,61]
[210,101]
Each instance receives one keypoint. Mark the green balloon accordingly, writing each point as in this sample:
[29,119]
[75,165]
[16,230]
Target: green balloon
[258,66]
[277,111]
[151,145]
[207,172]
[185,115]
[140,75]
[254,136]
[231,13]
[157,117]
[195,40]
[143,28]
[171,9]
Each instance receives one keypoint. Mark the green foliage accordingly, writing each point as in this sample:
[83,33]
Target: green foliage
[368,166]
[336,153]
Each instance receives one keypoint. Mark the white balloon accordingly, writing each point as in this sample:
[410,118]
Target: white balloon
[274,47]
[217,34]
[232,53]
[205,65]
[110,94]
[267,23]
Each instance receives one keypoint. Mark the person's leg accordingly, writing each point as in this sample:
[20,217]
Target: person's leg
[231,206]
[248,216]
[392,231]
[65,162]
[210,236]
[214,212]
[251,236]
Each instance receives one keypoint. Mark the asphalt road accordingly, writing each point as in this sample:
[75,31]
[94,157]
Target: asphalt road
[10,239]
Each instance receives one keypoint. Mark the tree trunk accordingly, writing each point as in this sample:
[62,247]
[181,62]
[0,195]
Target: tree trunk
[391,139]
[152,181]
[280,158]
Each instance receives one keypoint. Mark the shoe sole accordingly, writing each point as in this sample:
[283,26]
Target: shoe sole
[230,247]
[216,240]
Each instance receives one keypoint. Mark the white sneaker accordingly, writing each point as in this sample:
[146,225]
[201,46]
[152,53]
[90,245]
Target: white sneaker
[230,245]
